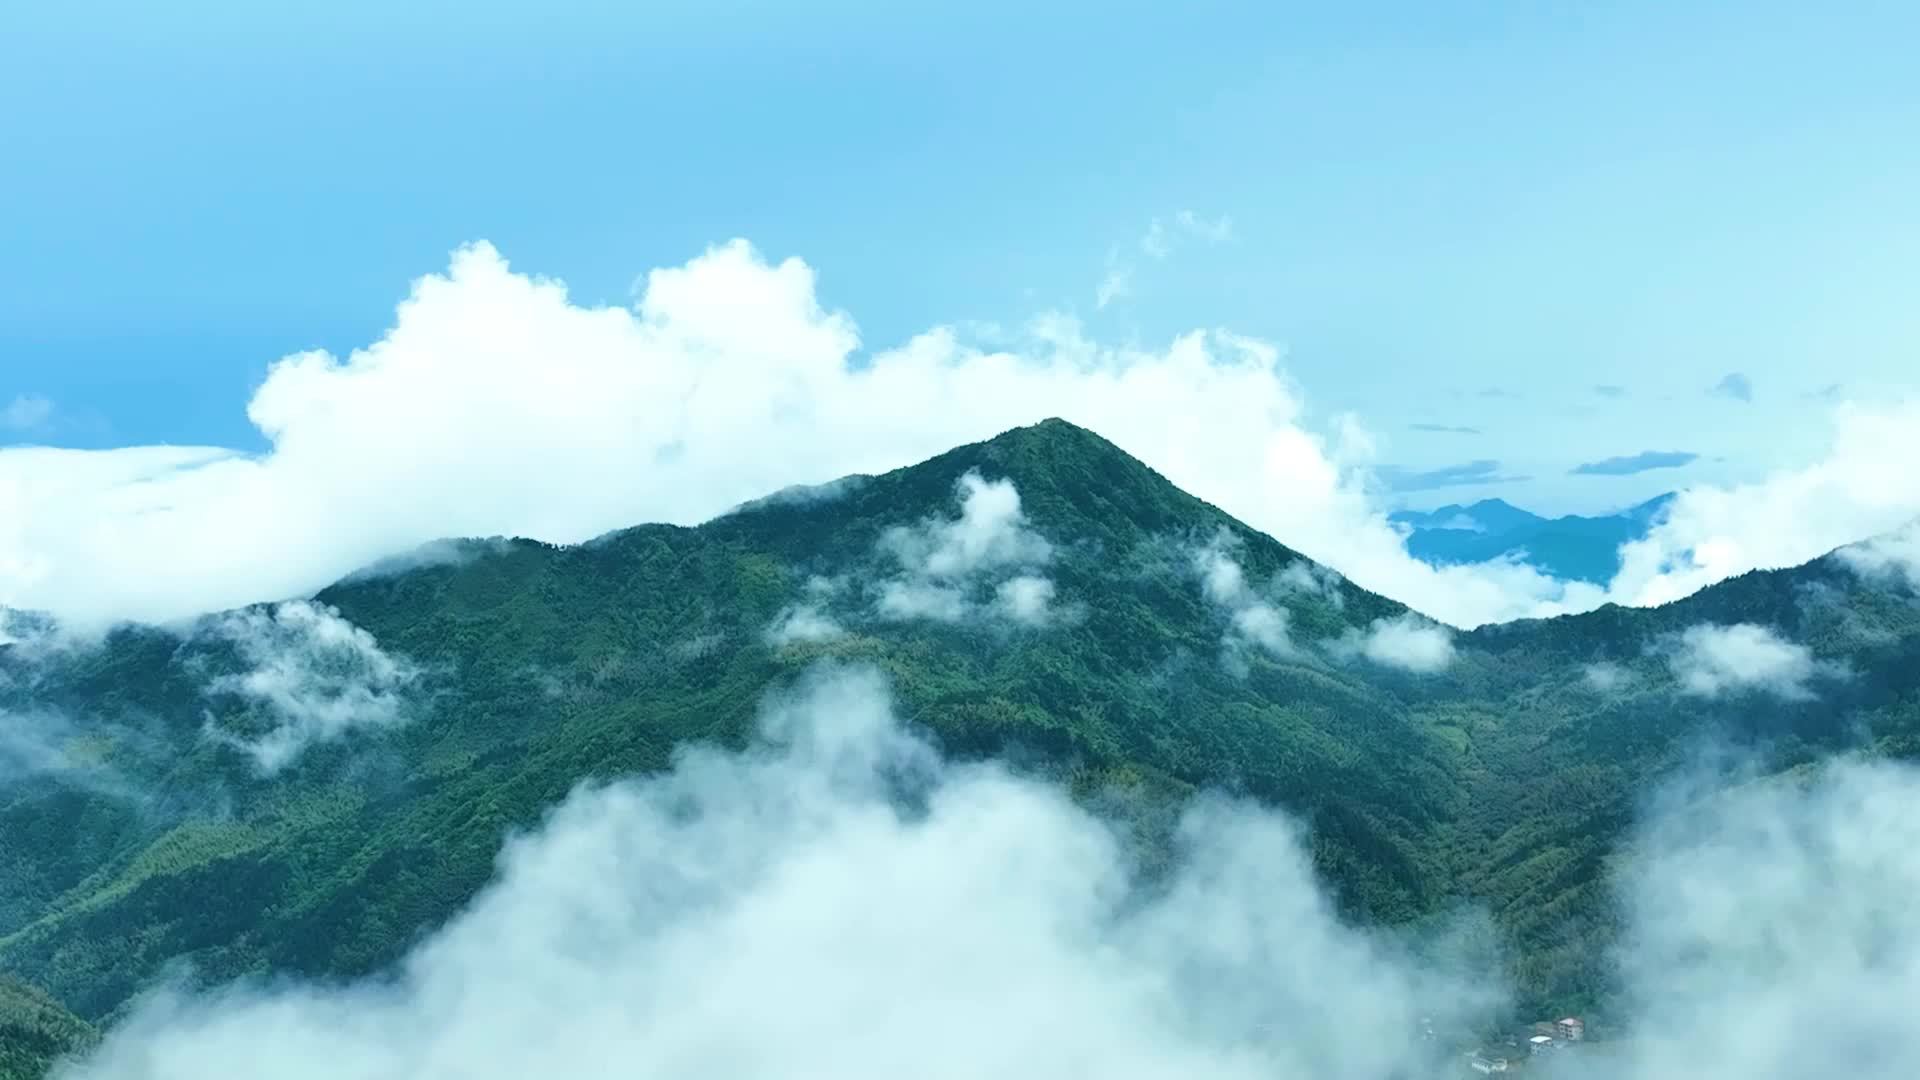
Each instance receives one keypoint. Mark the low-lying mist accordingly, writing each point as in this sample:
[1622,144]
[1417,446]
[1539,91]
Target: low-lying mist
[840,901]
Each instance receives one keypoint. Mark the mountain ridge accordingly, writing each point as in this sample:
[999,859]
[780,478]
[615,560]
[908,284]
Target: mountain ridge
[1181,651]
[1572,547]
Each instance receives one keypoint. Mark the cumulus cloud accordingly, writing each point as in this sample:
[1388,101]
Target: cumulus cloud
[1863,487]
[991,533]
[839,901]
[1733,385]
[1634,464]
[496,406]
[942,560]
[1406,642]
[312,675]
[1711,661]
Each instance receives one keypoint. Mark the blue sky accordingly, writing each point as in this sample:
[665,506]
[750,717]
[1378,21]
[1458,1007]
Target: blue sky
[1464,219]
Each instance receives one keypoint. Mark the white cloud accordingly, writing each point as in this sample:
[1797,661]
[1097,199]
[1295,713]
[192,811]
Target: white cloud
[1895,556]
[808,620]
[941,559]
[991,533]
[316,676]
[1026,599]
[803,623]
[1606,677]
[1406,642]
[1312,579]
[1160,240]
[1217,231]
[1711,660]
[26,412]
[1769,934]
[1115,284]
[1253,620]
[782,893]
[1773,934]
[916,598]
[497,407]
[39,742]
[1864,487]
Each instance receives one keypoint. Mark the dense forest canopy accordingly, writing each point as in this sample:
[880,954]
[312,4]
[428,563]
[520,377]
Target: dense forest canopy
[310,788]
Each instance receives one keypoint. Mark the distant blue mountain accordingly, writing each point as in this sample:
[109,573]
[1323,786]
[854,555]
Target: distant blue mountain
[1574,547]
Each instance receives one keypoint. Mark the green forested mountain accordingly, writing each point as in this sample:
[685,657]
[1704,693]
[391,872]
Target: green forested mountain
[135,834]
[34,1031]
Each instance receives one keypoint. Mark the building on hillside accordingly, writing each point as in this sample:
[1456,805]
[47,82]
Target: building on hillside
[1540,1044]
[1485,1065]
[1572,1029]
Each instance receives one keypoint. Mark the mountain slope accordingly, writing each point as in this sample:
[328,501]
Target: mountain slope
[1115,633]
[35,1031]
[543,666]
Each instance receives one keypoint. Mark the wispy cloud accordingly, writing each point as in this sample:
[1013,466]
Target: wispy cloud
[1714,661]
[807,621]
[310,675]
[1863,486]
[1733,385]
[1890,556]
[45,742]
[26,413]
[1606,677]
[1406,642]
[1610,390]
[1254,620]
[1632,464]
[1116,283]
[1258,618]
[1444,429]
[1161,239]
[1482,471]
